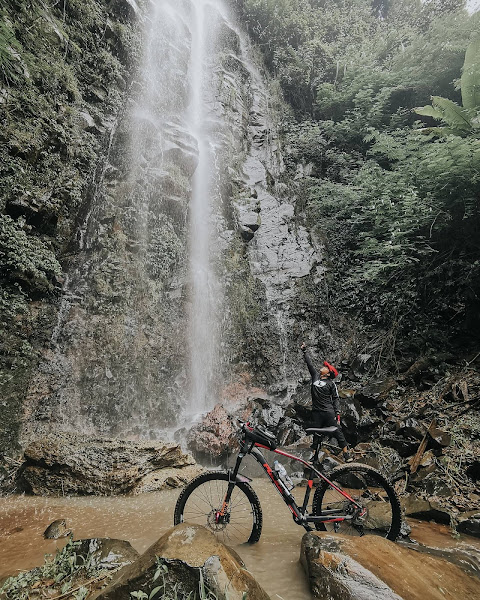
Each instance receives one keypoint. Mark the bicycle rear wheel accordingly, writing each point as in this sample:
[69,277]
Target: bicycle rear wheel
[381,513]
[202,499]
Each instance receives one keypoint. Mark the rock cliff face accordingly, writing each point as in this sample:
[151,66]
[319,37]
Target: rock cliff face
[65,71]
[119,357]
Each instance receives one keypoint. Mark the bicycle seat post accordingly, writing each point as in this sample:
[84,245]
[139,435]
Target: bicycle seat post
[316,448]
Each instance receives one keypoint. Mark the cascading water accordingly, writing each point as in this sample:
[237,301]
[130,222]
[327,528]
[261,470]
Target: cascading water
[163,299]
[138,329]
[205,291]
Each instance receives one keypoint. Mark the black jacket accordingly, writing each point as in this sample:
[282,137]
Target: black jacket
[324,391]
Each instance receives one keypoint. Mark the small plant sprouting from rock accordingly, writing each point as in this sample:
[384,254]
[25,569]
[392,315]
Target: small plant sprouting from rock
[172,591]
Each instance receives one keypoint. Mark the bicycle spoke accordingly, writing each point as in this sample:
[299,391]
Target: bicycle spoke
[237,522]
[374,509]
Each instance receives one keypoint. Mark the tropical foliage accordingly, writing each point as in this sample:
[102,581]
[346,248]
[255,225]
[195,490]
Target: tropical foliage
[395,199]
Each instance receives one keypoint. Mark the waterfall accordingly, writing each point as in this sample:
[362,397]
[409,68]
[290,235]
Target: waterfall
[135,348]
[205,291]
[163,292]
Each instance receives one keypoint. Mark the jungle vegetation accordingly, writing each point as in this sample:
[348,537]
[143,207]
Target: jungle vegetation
[385,98]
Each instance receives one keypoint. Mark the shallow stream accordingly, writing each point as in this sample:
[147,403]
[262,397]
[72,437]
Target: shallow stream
[141,520]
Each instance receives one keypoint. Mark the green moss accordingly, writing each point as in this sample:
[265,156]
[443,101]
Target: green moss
[57,60]
[25,257]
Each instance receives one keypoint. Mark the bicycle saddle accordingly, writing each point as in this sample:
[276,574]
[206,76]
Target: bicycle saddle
[321,430]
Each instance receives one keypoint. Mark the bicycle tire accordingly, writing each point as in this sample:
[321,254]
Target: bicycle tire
[379,519]
[204,495]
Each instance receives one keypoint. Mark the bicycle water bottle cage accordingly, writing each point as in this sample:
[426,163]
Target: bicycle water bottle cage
[260,436]
[321,430]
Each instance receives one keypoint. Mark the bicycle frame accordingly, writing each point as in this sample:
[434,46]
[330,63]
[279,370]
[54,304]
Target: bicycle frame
[300,515]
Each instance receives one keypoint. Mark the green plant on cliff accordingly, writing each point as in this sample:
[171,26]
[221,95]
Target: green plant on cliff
[26,258]
[397,210]
[64,67]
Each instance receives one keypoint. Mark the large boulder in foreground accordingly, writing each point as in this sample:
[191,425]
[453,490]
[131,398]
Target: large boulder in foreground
[180,560]
[349,568]
[66,463]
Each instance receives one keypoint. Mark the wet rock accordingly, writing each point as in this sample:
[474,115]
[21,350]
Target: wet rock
[215,437]
[170,477]
[410,428]
[469,523]
[56,530]
[107,553]
[350,568]
[372,394]
[335,575]
[64,463]
[128,8]
[429,510]
[182,156]
[86,121]
[466,557]
[404,447]
[246,233]
[185,550]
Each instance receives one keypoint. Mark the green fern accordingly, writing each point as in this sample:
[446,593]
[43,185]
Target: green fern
[459,119]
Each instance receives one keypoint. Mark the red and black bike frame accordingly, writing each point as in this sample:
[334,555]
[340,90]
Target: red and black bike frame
[300,514]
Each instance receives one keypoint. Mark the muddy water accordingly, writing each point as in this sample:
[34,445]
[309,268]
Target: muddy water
[141,520]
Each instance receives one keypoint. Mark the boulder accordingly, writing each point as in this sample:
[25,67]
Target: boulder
[107,553]
[289,432]
[352,414]
[410,428]
[438,437]
[469,523]
[351,568]
[214,437]
[428,510]
[187,553]
[376,391]
[404,447]
[65,463]
[361,365]
[56,530]
[473,470]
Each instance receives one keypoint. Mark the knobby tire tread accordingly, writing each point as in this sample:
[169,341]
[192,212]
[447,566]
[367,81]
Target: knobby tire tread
[222,476]
[396,524]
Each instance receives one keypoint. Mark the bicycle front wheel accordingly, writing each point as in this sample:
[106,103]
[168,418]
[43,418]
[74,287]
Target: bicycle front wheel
[380,511]
[202,500]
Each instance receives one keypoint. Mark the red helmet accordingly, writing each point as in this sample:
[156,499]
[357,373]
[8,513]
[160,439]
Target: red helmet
[331,368]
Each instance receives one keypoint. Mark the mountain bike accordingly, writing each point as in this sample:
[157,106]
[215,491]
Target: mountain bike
[354,499]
